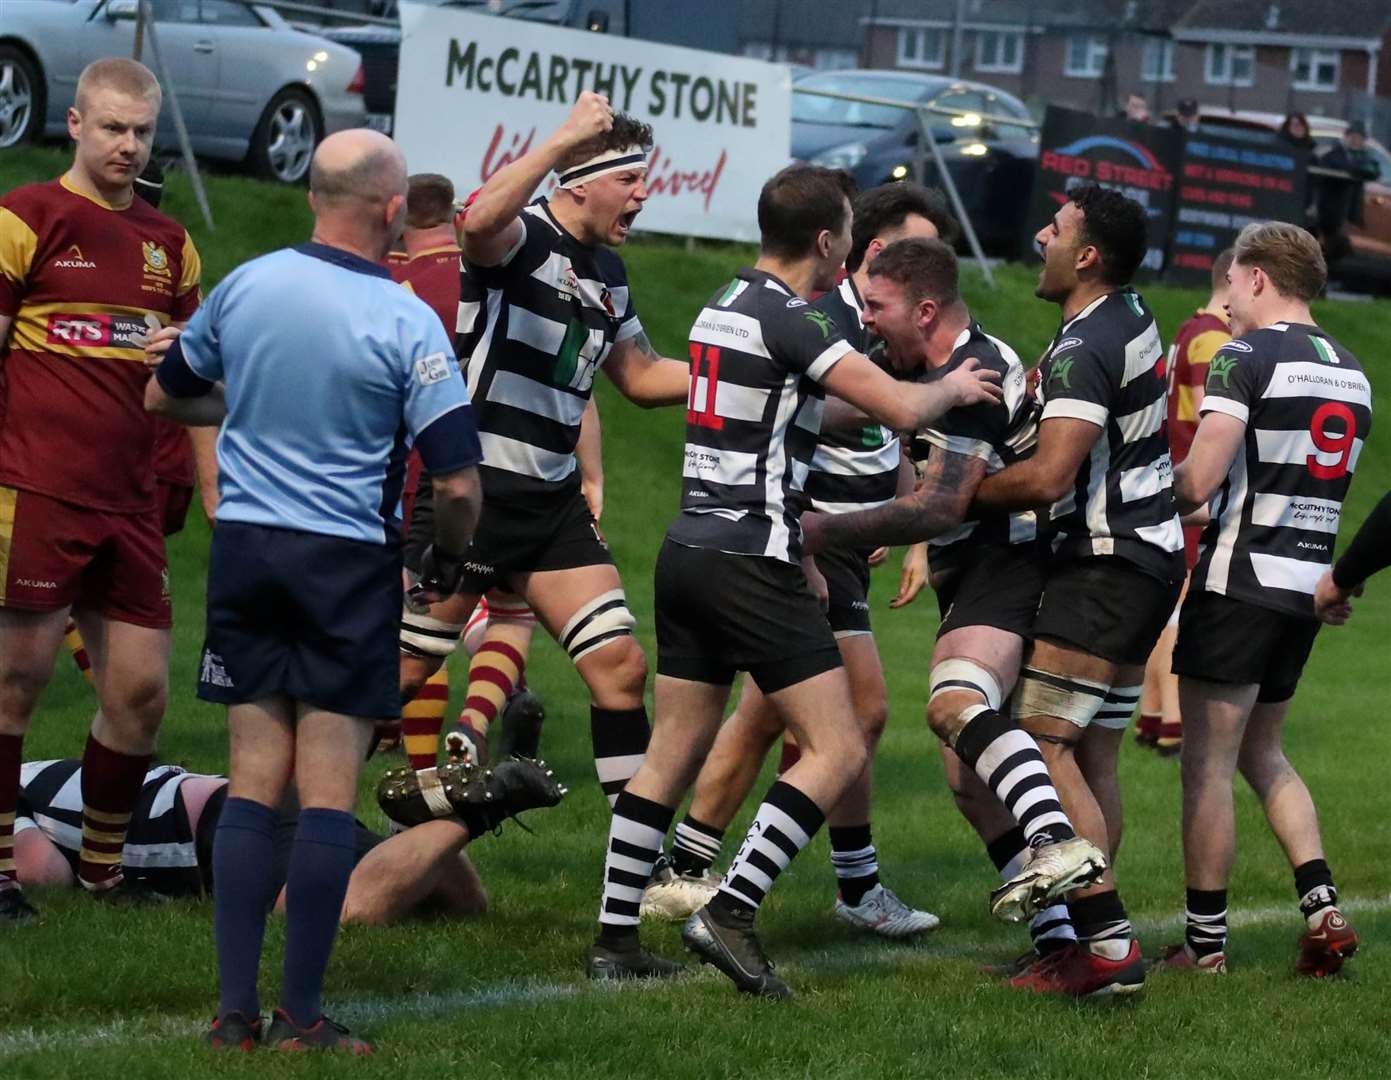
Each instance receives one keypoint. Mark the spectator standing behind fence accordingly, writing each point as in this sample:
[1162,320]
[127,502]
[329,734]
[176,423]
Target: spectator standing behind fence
[1340,200]
[321,365]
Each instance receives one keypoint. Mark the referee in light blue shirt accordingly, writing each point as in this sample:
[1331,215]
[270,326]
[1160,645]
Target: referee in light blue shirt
[321,371]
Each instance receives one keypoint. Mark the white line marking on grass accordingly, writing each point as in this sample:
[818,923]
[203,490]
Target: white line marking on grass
[423,1006]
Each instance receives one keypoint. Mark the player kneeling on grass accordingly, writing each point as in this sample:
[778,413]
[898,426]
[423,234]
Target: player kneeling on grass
[1284,417]
[420,871]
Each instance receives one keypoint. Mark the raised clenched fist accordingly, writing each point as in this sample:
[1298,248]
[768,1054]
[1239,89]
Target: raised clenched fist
[591,116]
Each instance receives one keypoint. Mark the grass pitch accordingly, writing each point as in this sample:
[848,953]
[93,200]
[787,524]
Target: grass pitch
[90,991]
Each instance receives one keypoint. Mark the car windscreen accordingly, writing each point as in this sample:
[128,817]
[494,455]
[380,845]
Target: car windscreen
[822,110]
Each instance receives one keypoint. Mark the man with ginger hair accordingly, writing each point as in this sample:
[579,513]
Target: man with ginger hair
[86,271]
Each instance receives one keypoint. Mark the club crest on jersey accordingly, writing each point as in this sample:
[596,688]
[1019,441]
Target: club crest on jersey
[1062,372]
[74,260]
[156,259]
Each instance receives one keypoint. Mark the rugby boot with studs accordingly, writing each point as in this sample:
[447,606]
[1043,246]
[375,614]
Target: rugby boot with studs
[1326,944]
[1052,870]
[482,798]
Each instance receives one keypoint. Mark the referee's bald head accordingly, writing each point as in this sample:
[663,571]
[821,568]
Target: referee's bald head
[357,184]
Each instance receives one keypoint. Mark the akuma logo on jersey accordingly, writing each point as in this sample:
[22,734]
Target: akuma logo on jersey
[97,331]
[75,260]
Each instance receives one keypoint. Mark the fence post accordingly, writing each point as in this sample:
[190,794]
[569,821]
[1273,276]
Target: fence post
[949,185]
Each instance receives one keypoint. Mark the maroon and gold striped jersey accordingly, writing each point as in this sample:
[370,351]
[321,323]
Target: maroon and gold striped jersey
[84,282]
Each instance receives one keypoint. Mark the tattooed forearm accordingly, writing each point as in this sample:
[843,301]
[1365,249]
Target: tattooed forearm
[938,506]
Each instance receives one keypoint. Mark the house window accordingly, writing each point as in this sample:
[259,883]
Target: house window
[1230,65]
[1086,56]
[1315,69]
[1000,51]
[1157,60]
[922,47]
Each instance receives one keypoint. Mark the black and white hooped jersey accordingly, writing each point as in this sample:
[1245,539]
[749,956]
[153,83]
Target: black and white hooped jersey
[856,469]
[758,355]
[531,333]
[160,846]
[1307,407]
[999,433]
[1106,366]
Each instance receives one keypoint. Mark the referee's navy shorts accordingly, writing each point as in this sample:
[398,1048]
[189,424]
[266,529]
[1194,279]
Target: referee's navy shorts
[312,617]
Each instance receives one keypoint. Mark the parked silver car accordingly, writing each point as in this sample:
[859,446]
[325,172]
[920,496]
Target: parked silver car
[250,86]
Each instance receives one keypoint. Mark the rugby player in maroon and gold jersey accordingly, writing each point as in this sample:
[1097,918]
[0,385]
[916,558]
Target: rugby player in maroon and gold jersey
[1195,343]
[86,272]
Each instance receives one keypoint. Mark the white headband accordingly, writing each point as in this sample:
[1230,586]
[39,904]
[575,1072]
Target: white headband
[603,163]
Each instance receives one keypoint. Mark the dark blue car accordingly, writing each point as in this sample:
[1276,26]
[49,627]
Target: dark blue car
[992,161]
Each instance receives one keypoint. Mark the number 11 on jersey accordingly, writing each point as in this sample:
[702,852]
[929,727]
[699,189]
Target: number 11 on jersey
[704,415]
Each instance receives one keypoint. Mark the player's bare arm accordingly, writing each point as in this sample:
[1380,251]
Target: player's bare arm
[906,406]
[589,452]
[939,504]
[644,376]
[1044,478]
[1214,448]
[493,227]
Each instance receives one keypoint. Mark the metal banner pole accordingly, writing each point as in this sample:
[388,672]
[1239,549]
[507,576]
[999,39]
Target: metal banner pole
[145,17]
[945,179]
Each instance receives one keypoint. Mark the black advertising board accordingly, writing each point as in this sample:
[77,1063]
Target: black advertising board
[1226,181]
[1135,159]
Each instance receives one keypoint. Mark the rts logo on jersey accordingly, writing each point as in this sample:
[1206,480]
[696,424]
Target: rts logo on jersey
[74,260]
[97,330]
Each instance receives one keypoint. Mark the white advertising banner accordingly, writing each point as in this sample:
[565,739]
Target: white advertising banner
[476,92]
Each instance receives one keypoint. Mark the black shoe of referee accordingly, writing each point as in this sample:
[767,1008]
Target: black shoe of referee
[730,943]
[129,893]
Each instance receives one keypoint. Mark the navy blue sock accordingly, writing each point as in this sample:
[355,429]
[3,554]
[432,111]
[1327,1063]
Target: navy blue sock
[242,887]
[320,864]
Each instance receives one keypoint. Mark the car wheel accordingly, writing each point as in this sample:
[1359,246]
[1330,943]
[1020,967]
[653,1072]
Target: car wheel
[284,140]
[21,97]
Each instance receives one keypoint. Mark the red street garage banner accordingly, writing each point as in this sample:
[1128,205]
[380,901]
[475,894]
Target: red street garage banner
[1226,182]
[1137,160]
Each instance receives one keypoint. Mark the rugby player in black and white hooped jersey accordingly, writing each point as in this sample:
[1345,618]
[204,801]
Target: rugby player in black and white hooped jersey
[1102,461]
[850,470]
[988,571]
[1285,414]
[553,308]
[730,592]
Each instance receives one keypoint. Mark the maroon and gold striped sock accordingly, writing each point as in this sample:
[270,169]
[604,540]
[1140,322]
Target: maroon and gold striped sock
[110,787]
[11,747]
[72,638]
[422,718]
[492,679]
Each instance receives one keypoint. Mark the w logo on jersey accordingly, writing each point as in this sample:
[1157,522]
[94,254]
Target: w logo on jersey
[822,322]
[1221,367]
